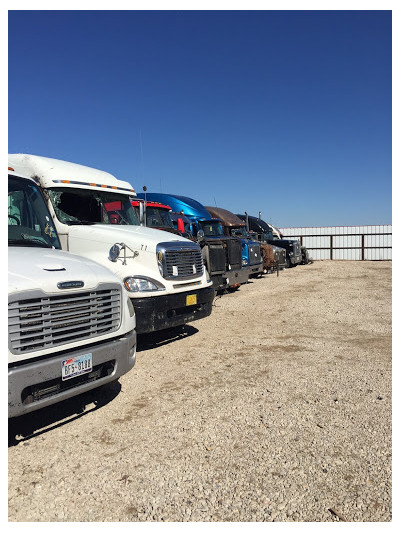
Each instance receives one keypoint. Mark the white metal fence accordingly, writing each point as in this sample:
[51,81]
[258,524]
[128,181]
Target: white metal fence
[369,243]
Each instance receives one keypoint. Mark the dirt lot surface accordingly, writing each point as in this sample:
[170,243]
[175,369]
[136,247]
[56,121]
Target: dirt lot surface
[277,407]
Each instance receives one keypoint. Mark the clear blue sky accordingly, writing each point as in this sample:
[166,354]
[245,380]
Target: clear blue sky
[284,112]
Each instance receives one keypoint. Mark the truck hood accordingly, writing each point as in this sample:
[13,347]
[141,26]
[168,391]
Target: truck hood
[39,268]
[278,248]
[282,243]
[136,237]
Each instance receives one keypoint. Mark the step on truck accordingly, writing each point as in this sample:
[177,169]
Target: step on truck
[269,235]
[234,227]
[222,255]
[71,325]
[92,213]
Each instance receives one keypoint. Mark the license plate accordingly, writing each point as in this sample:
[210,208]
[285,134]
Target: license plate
[191,299]
[75,366]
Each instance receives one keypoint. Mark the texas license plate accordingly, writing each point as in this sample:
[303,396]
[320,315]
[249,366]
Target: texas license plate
[75,366]
[191,299]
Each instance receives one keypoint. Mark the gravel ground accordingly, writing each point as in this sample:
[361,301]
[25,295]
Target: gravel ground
[277,407]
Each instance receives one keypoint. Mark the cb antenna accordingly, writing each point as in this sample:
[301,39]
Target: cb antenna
[141,151]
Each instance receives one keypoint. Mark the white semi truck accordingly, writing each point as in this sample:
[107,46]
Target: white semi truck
[163,274]
[71,325]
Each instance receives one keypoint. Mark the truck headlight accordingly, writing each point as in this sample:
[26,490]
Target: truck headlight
[160,257]
[244,262]
[142,284]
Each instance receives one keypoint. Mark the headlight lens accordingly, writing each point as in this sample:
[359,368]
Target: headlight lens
[142,284]
[160,257]
[244,262]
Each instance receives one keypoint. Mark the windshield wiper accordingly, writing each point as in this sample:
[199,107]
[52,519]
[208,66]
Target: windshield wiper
[29,242]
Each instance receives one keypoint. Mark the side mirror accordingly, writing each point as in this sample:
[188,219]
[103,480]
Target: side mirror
[181,225]
[114,252]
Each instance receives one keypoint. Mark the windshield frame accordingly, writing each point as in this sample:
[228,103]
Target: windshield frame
[126,216]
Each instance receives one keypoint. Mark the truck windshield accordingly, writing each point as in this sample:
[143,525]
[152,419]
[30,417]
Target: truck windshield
[158,218]
[83,206]
[29,222]
[268,236]
[239,232]
[253,235]
[211,228]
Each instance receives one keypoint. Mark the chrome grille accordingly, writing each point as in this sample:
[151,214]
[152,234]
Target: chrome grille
[47,321]
[180,260]
[183,263]
[254,253]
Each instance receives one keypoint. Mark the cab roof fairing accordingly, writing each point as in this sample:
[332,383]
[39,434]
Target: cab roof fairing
[227,217]
[57,173]
[193,209]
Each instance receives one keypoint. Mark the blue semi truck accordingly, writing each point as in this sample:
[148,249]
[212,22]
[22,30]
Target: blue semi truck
[222,255]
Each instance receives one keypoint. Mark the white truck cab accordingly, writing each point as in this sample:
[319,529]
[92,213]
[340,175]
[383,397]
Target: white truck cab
[163,274]
[71,325]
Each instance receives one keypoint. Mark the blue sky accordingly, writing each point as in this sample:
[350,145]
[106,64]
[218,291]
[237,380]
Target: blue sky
[284,112]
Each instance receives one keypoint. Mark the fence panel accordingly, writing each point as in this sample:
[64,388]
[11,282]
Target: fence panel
[357,243]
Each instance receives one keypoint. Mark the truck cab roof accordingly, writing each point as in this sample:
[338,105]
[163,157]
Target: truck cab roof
[190,207]
[13,172]
[57,173]
[259,225]
[227,217]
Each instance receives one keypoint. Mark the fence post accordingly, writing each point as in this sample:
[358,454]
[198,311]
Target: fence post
[331,247]
[362,247]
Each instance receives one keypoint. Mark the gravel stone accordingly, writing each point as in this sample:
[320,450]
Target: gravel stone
[277,407]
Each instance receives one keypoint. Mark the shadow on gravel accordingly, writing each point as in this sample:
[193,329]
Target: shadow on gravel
[39,422]
[148,341]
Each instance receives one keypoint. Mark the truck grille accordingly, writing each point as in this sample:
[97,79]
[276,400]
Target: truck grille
[280,256]
[217,258]
[254,253]
[296,248]
[234,253]
[47,321]
[180,260]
